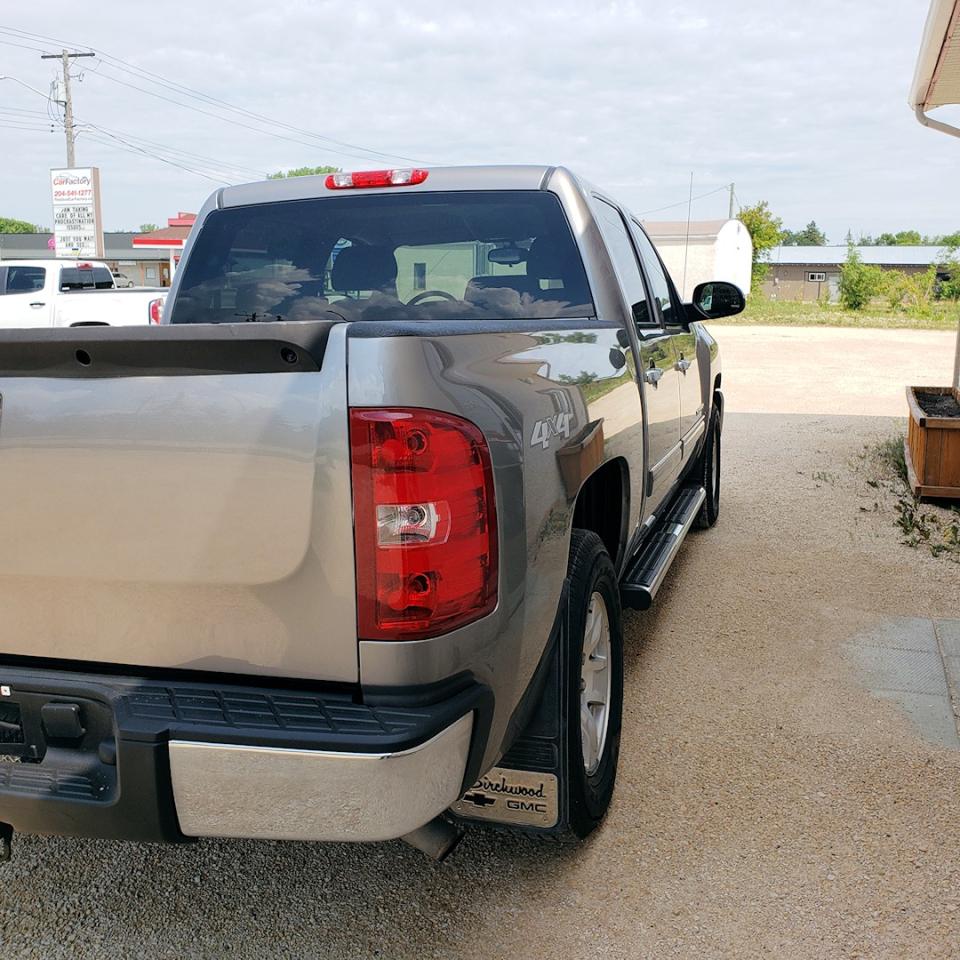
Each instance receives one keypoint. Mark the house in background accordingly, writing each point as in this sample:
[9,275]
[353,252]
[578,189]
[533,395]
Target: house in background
[702,251]
[168,242]
[813,273]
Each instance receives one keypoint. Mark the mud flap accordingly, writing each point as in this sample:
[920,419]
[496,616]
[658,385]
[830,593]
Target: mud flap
[526,790]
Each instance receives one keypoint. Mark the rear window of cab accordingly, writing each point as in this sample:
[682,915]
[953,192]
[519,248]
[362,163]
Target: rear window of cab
[386,256]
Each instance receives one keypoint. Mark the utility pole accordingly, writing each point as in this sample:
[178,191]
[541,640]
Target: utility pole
[66,56]
[730,216]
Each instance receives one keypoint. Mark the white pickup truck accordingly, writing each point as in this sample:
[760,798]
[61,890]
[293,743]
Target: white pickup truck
[72,293]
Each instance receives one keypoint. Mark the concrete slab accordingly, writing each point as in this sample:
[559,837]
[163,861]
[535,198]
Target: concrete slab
[907,671]
[903,633]
[952,667]
[949,633]
[900,661]
[932,715]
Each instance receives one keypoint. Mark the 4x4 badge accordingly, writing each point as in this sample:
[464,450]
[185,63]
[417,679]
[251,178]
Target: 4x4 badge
[545,430]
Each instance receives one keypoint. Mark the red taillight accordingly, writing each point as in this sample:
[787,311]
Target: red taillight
[155,310]
[425,523]
[376,178]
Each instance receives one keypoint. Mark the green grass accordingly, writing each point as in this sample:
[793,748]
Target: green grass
[790,313]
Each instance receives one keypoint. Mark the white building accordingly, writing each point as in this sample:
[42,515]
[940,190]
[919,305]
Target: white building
[709,250]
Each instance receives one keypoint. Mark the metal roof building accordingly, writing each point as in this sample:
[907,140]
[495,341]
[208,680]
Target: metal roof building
[813,273]
[836,255]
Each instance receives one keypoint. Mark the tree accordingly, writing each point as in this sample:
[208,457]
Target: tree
[302,172]
[148,227]
[766,231]
[903,238]
[909,238]
[8,225]
[810,236]
[859,282]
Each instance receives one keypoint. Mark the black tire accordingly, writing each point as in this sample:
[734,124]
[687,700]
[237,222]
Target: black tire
[708,472]
[590,570]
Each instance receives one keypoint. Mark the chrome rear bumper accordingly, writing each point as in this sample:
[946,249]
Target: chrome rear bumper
[171,759]
[229,790]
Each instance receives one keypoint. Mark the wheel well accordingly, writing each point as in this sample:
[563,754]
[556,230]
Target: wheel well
[601,506]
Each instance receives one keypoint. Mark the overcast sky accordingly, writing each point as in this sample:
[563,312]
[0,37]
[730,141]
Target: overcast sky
[803,105]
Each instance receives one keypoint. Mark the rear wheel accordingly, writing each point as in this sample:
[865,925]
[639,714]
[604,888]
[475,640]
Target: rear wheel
[593,682]
[708,472]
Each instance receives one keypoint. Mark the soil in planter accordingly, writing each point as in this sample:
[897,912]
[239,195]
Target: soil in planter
[938,404]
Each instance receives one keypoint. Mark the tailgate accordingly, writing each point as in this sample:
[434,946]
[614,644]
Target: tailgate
[116,308]
[178,497]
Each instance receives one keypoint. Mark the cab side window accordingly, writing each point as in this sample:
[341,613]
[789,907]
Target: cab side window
[614,231]
[659,285]
[24,279]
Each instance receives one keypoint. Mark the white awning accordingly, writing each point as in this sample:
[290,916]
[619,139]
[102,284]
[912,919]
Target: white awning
[936,82]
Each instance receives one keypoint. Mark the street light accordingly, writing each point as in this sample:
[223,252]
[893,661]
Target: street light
[46,96]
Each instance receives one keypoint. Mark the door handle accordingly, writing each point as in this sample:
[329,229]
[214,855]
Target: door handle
[653,375]
[683,365]
[37,304]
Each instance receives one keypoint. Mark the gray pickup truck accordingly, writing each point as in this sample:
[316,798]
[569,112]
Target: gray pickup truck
[339,550]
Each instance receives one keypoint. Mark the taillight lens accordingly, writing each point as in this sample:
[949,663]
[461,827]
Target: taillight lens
[155,310]
[425,523]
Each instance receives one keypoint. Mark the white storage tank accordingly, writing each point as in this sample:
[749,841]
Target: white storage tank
[710,250]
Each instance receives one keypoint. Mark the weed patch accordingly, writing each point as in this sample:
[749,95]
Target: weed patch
[921,525]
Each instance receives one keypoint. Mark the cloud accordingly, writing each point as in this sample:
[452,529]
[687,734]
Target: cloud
[807,112]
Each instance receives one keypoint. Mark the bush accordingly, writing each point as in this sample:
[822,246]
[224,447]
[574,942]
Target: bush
[859,283]
[914,291]
[949,289]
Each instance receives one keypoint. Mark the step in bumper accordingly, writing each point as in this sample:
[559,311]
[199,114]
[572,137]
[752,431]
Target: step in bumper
[159,760]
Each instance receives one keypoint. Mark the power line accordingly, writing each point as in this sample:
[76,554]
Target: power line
[124,66]
[133,148]
[11,125]
[216,101]
[165,148]
[216,116]
[23,46]
[21,110]
[19,118]
[683,203]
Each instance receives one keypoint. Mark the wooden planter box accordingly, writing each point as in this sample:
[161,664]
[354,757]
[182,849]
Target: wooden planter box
[932,448]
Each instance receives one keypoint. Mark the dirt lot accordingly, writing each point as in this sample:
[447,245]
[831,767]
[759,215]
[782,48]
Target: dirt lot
[767,804]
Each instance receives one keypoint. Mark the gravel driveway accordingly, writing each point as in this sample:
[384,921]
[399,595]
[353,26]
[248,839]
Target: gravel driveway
[767,804]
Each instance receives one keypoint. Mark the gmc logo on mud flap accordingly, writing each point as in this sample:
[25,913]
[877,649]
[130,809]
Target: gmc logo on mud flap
[527,806]
[545,430]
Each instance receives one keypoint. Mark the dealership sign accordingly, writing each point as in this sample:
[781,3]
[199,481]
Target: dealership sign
[77,226]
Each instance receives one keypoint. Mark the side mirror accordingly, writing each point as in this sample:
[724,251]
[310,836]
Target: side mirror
[718,299]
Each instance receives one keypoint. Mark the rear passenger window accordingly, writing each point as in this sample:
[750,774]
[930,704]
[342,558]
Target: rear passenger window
[615,234]
[85,278]
[24,279]
[659,284]
[432,255]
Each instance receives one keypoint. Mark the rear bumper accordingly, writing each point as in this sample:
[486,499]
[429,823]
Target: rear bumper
[159,760]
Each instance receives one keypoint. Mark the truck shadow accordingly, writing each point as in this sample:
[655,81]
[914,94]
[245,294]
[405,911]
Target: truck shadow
[260,899]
